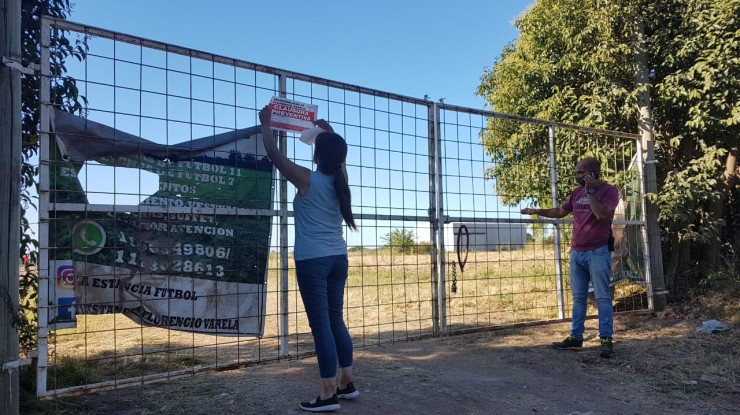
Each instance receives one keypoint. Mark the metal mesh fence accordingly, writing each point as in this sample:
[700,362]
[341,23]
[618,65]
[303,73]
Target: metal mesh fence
[441,246]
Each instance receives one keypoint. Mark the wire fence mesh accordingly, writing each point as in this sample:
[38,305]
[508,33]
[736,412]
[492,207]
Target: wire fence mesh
[441,246]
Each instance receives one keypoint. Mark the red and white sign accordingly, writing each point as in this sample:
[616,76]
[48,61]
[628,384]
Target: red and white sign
[292,116]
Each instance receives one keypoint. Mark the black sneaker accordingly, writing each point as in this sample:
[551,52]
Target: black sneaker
[349,392]
[319,405]
[570,343]
[607,348]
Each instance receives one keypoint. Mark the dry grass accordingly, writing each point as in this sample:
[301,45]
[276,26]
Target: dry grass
[673,361]
[388,298]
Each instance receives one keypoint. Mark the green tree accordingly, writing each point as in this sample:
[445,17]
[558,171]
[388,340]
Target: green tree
[399,240]
[545,74]
[65,95]
[574,62]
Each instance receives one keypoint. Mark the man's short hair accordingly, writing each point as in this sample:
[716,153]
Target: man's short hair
[591,164]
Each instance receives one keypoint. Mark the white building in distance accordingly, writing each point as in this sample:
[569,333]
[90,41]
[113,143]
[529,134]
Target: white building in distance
[481,236]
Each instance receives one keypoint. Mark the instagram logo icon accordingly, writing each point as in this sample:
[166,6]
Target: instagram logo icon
[65,287]
[65,278]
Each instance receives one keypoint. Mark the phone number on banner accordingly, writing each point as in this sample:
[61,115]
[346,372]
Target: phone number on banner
[207,251]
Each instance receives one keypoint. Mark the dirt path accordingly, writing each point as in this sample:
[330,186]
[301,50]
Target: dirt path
[510,371]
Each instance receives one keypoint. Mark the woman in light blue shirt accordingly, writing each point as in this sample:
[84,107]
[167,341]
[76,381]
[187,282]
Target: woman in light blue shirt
[323,200]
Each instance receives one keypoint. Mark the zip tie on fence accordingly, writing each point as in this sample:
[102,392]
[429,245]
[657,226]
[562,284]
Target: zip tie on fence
[15,364]
[651,161]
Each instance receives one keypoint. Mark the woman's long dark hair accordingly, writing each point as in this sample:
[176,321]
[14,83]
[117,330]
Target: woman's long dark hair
[330,154]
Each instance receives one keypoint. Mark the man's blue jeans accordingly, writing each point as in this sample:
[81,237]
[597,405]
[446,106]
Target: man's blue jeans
[321,282]
[594,266]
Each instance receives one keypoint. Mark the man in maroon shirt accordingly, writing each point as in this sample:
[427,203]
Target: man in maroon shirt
[592,203]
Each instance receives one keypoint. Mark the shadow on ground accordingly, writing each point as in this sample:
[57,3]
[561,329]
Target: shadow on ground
[511,371]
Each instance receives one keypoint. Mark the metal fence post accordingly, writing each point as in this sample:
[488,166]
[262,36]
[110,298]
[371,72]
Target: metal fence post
[555,202]
[283,137]
[442,285]
[44,156]
[645,233]
[434,225]
[10,115]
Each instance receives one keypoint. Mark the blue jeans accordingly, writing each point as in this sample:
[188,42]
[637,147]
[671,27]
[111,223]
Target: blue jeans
[594,266]
[321,282]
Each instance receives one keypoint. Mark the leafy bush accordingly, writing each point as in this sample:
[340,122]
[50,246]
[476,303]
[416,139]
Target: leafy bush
[399,240]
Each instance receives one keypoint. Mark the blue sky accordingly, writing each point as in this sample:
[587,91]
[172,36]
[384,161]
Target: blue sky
[410,47]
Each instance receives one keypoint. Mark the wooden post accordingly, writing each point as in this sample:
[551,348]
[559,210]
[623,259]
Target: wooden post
[10,171]
[645,124]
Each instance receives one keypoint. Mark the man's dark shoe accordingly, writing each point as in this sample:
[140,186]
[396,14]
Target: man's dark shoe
[321,405]
[349,392]
[607,348]
[570,343]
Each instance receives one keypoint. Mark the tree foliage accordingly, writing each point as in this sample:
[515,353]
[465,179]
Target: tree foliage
[574,62]
[566,66]
[65,95]
[400,240]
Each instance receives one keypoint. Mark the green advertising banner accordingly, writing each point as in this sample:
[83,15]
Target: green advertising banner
[183,258]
